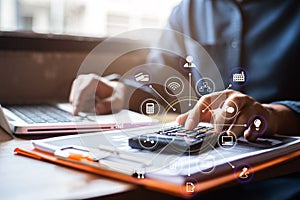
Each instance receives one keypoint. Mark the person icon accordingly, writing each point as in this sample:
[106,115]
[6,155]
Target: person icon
[189,64]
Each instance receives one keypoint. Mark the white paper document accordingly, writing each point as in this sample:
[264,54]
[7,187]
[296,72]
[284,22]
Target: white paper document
[112,150]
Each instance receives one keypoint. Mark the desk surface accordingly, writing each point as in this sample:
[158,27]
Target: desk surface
[26,178]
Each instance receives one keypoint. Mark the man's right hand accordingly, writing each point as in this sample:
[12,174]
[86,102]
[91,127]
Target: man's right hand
[92,93]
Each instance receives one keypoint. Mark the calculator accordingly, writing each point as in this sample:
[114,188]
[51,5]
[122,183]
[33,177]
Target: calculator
[175,139]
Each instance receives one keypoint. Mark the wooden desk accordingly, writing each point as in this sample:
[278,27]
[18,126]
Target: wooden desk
[26,178]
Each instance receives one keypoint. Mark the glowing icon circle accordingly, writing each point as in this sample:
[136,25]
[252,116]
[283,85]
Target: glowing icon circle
[174,86]
[204,86]
[227,141]
[150,107]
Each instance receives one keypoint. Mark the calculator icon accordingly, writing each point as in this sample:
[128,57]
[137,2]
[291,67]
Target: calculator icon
[149,108]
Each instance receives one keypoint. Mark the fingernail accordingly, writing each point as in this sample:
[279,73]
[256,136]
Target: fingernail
[179,120]
[75,111]
[250,136]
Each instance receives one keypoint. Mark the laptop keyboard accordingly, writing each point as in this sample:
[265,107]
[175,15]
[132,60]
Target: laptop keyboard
[42,114]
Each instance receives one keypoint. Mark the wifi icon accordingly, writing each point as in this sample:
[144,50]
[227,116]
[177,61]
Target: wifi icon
[174,86]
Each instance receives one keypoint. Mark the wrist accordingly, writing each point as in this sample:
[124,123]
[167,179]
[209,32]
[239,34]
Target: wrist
[282,120]
[274,116]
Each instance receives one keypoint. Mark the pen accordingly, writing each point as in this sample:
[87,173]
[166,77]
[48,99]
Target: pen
[80,157]
[73,156]
[89,161]
[114,162]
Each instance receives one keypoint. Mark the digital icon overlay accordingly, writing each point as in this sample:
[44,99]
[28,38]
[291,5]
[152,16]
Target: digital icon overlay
[174,86]
[150,107]
[204,86]
[148,142]
[174,164]
[227,140]
[257,124]
[189,62]
[141,76]
[230,110]
[207,164]
[243,173]
[191,187]
[238,76]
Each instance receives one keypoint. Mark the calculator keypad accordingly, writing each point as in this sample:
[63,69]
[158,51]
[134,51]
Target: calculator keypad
[177,136]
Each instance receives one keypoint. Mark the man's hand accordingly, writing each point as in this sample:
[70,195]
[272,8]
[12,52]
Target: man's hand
[214,106]
[91,93]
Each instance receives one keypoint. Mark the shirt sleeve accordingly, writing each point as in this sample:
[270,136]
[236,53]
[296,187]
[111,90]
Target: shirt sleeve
[293,105]
[173,24]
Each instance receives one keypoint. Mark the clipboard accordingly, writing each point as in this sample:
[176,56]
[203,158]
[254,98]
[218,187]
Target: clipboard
[190,187]
[93,168]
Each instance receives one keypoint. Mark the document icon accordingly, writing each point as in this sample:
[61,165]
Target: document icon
[189,187]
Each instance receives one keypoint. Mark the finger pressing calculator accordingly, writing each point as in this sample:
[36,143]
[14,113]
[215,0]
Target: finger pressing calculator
[174,138]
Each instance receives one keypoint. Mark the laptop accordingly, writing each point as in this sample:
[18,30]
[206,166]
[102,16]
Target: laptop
[57,119]
[36,78]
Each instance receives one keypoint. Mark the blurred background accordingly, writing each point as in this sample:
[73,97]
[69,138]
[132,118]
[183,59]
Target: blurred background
[96,18]
[44,42]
